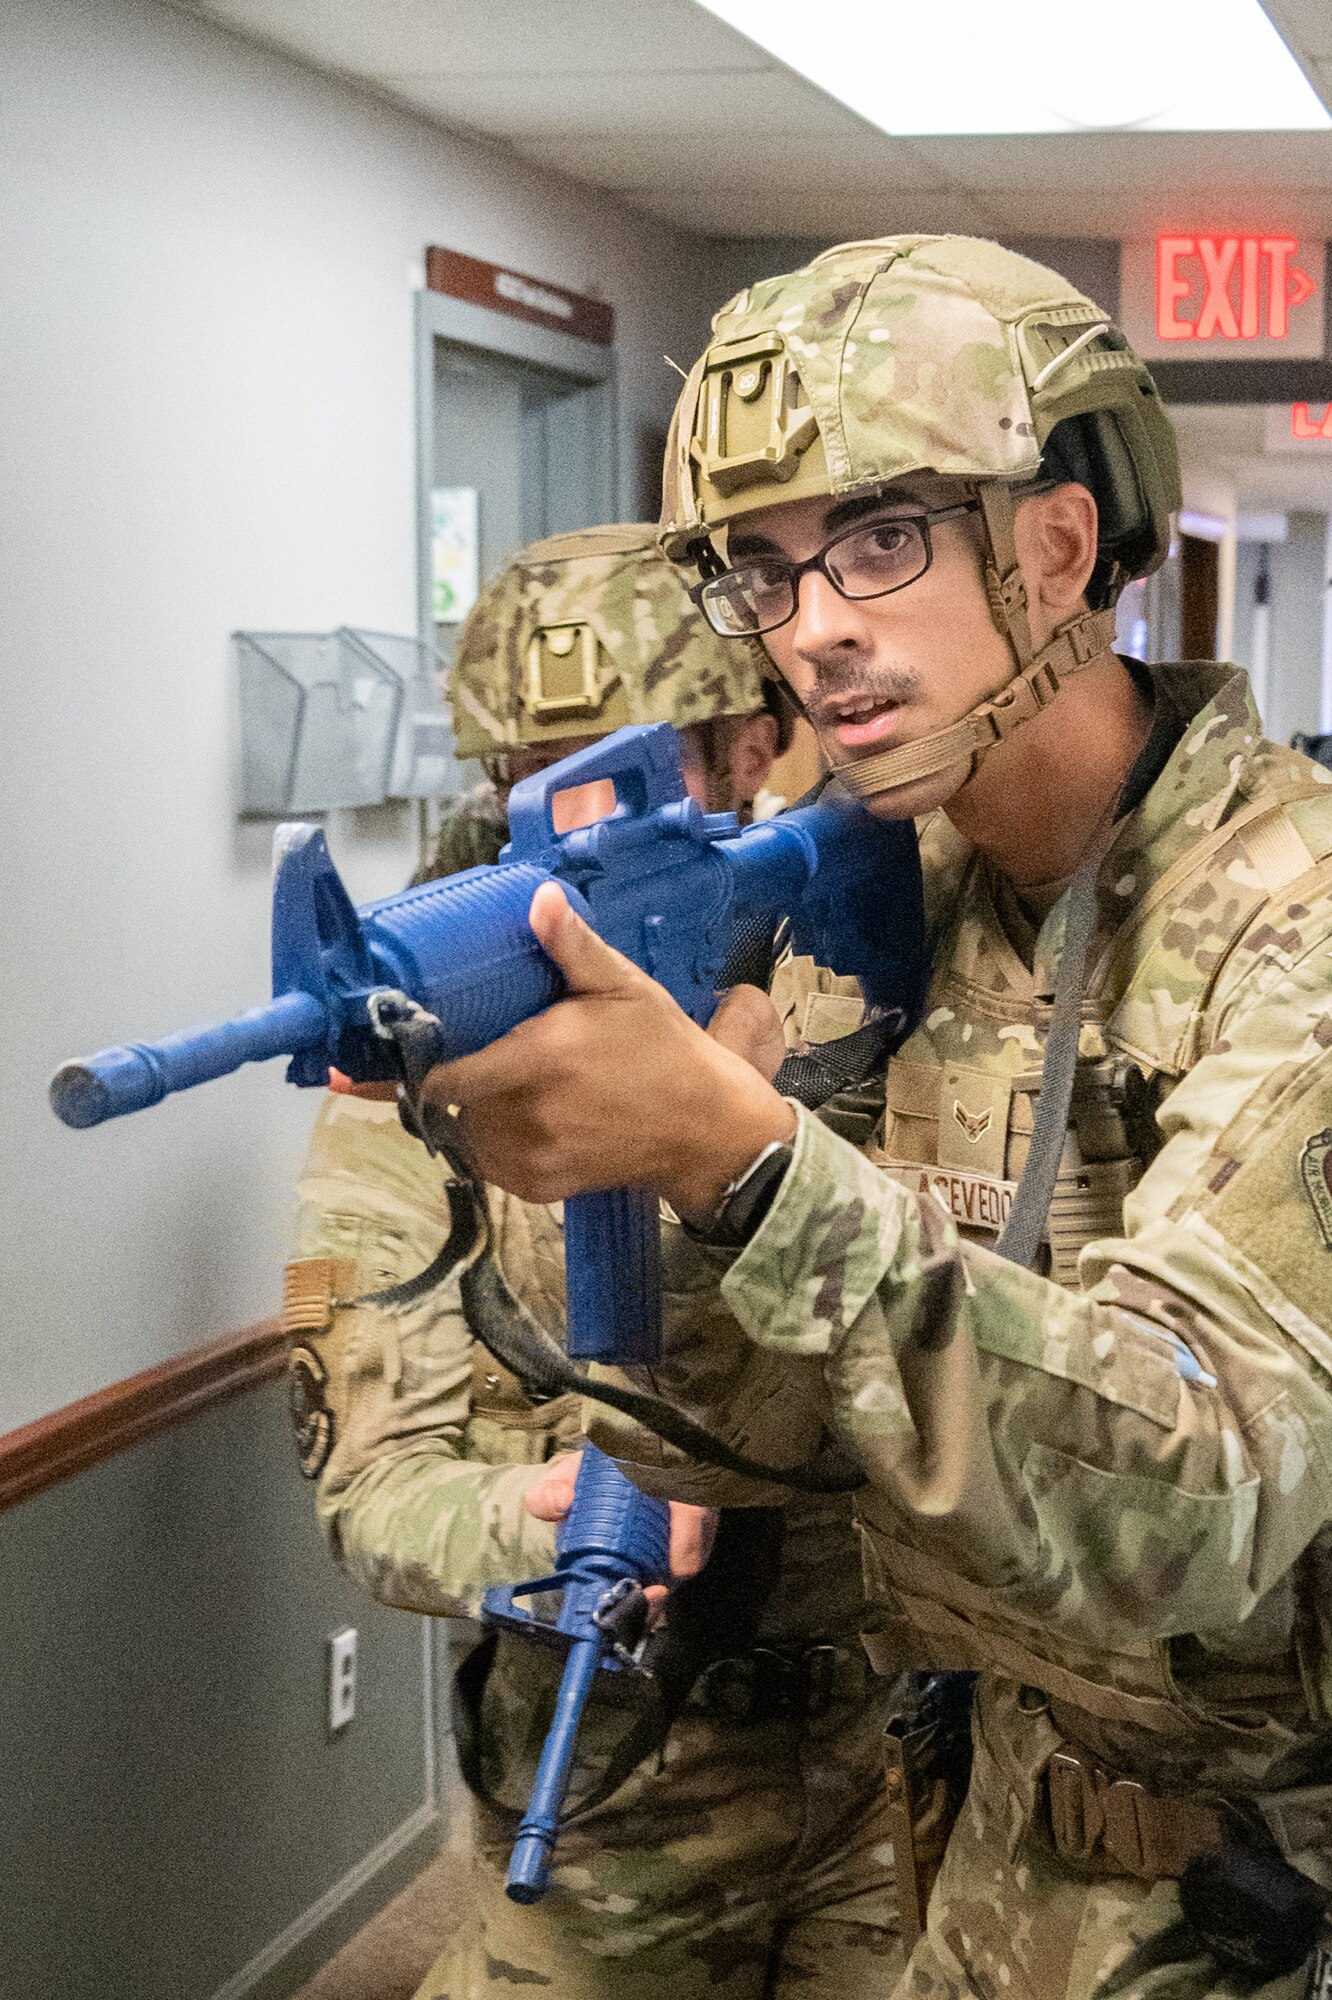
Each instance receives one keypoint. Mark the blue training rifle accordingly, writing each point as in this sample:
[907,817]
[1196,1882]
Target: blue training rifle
[670,886]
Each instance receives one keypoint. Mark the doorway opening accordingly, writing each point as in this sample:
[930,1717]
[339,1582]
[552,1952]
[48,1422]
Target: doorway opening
[516,440]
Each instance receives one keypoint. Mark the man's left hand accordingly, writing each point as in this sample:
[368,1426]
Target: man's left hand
[693,1529]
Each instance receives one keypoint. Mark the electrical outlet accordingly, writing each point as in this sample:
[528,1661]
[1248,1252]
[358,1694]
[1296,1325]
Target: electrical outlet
[341,1679]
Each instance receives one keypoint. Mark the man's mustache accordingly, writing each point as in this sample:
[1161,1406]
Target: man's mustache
[877,685]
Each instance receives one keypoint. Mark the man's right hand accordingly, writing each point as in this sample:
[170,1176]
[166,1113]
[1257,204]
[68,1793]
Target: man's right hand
[613,1086]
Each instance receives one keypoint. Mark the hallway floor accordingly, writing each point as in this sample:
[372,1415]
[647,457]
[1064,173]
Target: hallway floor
[391,1956]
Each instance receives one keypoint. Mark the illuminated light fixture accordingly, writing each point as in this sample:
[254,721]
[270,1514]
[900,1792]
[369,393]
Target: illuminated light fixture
[1203,527]
[996,66]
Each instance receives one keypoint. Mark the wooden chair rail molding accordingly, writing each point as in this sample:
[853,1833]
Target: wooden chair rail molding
[81,1435]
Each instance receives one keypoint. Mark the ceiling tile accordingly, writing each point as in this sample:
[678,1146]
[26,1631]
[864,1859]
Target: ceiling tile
[835,214]
[1226,163]
[1110,213]
[1305,25]
[460,37]
[734,115]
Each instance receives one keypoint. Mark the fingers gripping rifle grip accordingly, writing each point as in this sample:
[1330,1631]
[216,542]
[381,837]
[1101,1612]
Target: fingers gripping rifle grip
[612,1255]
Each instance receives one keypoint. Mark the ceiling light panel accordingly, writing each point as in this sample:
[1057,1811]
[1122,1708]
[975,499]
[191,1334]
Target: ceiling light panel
[917,67]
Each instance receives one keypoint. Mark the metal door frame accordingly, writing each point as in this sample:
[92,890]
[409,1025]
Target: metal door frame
[495,333]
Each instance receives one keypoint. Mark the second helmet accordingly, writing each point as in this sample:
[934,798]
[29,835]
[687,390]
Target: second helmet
[585,632]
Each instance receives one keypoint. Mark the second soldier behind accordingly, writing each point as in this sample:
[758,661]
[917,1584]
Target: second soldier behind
[750,1854]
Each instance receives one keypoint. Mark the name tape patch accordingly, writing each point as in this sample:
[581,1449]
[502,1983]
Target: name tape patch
[977,1201]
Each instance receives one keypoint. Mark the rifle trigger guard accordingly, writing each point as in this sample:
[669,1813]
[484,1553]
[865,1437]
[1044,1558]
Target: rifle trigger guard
[622,1616]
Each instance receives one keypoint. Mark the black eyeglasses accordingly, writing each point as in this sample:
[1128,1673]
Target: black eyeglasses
[871,560]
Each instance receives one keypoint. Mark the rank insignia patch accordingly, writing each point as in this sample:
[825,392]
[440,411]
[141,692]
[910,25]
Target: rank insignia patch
[974,1123]
[1316,1169]
[311,1418]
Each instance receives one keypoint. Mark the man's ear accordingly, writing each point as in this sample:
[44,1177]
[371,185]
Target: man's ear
[752,751]
[1055,534]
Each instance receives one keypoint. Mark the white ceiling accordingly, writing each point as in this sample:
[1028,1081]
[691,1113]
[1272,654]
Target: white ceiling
[659,102]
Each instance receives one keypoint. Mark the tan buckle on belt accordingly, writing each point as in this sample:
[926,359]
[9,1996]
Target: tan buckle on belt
[1089,1809]
[1076,1818]
[1136,1831]
[1130,1829]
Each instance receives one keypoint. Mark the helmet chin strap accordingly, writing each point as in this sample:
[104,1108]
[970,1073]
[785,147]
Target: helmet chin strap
[1037,678]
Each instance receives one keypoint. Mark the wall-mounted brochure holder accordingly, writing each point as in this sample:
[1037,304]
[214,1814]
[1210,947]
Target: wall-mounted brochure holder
[342,718]
[423,765]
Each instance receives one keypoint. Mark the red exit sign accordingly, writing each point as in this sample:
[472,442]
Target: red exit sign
[1245,296]
[1306,423]
[1237,287]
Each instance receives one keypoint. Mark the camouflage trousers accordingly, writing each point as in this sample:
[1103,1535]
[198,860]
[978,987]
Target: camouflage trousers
[1010,1920]
[750,1862]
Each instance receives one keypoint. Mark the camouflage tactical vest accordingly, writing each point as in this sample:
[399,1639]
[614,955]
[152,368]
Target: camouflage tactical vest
[959,1097]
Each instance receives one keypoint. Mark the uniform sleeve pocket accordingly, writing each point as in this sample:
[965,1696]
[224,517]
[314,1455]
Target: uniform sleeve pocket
[1268,1192]
[1114,1354]
[1141,1550]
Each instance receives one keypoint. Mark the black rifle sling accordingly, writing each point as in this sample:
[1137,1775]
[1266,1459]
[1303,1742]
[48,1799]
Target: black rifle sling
[828,1068]
[505,1327]
[469,1688]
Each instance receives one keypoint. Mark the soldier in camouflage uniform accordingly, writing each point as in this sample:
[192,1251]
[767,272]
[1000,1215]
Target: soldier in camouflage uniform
[551,658]
[751,1858]
[923,467]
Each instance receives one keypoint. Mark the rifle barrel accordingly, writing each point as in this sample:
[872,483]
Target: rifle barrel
[130,1078]
[526,1880]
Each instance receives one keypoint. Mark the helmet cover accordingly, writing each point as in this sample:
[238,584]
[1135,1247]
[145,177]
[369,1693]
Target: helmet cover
[585,632]
[908,354]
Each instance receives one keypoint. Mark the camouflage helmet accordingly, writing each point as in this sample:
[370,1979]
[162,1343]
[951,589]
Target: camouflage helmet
[942,354]
[585,632]
[939,354]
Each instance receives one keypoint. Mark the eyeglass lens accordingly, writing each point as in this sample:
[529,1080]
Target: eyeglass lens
[867,562]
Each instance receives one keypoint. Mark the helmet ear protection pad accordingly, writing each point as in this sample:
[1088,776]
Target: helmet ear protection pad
[1091,451]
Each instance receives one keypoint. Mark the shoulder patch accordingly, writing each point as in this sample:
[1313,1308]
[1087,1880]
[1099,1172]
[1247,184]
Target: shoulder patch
[311,1418]
[1316,1171]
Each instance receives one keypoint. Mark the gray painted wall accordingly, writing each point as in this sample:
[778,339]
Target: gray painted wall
[207,401]
[172,1802]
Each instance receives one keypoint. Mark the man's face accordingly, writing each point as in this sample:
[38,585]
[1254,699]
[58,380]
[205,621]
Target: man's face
[881,671]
